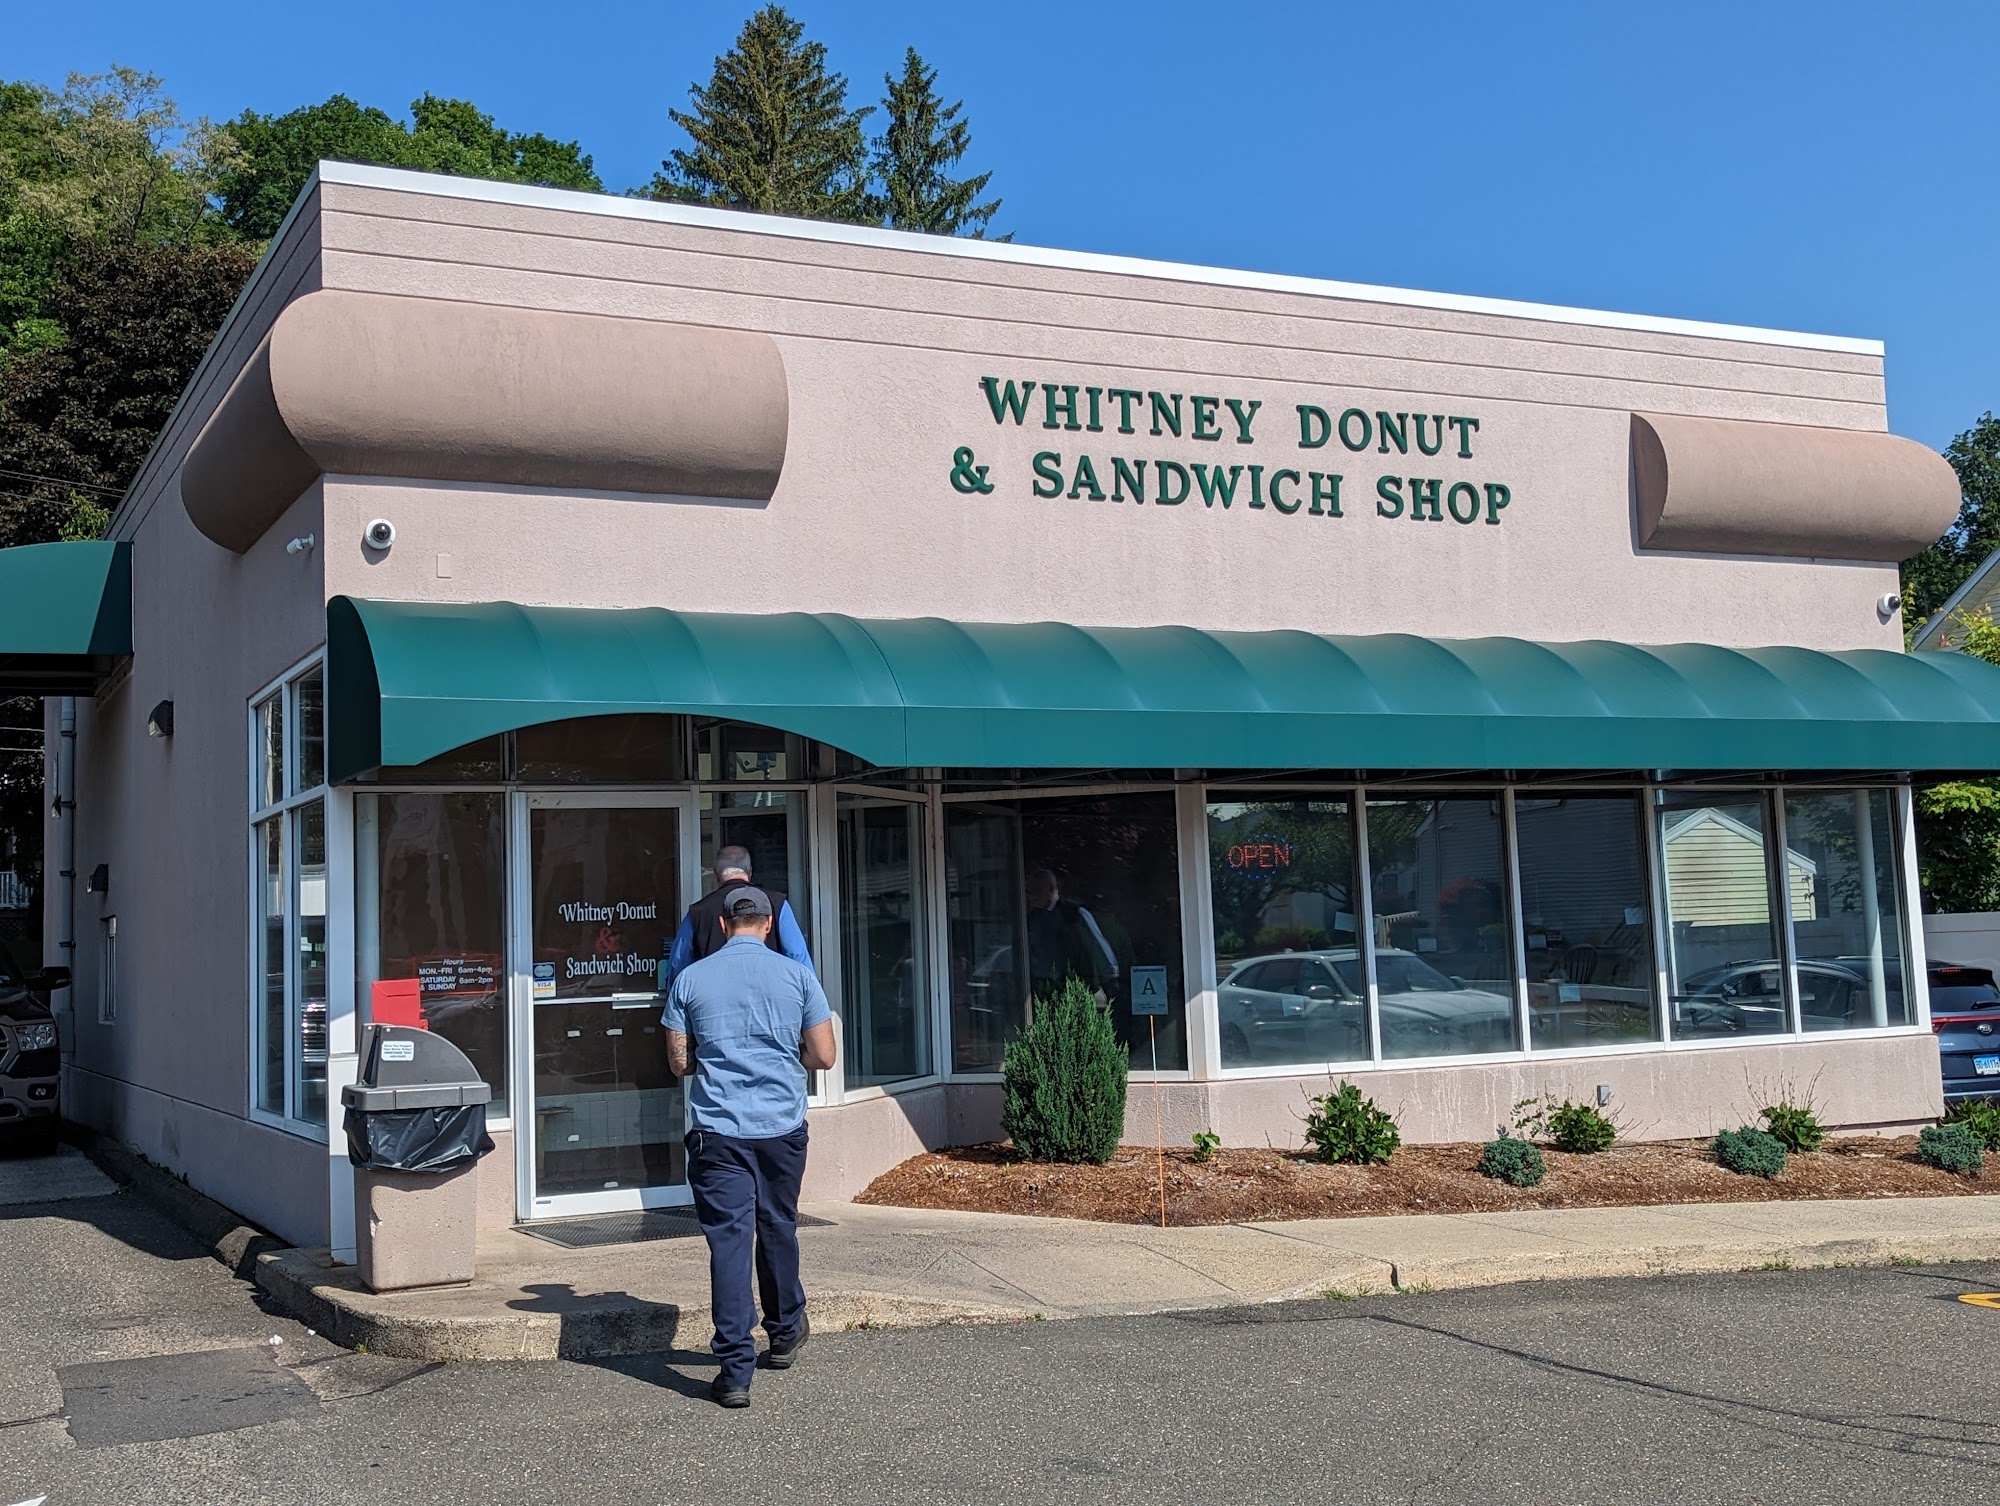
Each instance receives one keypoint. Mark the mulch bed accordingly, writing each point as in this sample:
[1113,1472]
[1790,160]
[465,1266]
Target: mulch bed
[1240,1186]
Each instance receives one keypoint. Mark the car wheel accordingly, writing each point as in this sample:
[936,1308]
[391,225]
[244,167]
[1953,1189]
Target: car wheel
[1235,1044]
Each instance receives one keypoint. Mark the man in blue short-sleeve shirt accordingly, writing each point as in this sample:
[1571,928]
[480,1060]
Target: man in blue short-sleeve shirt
[744,1025]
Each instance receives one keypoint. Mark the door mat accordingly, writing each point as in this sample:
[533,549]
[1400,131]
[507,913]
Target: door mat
[628,1228]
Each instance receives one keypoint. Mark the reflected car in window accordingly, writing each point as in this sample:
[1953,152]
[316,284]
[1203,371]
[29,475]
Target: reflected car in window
[1965,1018]
[1749,997]
[1309,1007]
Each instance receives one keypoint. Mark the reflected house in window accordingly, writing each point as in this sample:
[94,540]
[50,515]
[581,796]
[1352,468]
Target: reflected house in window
[1716,869]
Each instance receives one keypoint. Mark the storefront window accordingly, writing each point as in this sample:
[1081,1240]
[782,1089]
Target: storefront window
[885,992]
[601,749]
[1847,908]
[742,752]
[481,762]
[1041,890]
[1725,973]
[1444,954]
[1283,885]
[770,825]
[288,877]
[1586,920]
[430,920]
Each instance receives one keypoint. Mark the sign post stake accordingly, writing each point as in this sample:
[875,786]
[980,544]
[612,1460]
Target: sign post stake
[1149,998]
[1159,1121]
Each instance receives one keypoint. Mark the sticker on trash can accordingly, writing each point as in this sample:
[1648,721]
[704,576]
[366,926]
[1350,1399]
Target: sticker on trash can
[545,980]
[399,1051]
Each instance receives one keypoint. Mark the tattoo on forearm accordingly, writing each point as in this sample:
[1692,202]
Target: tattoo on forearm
[679,1053]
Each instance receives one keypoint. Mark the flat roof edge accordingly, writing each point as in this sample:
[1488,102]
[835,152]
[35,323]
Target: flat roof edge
[405,180]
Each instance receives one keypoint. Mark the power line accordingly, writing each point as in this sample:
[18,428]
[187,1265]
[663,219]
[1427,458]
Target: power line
[86,486]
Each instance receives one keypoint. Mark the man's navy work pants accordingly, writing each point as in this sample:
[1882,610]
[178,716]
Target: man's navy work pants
[746,1193]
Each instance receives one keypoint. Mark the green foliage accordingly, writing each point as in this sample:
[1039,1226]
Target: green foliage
[1953,1147]
[272,156]
[1794,1126]
[1514,1161]
[1929,578]
[925,139]
[86,411]
[771,131]
[1750,1152]
[1574,1128]
[1063,1081]
[1980,1115]
[1343,1127]
[1206,1143]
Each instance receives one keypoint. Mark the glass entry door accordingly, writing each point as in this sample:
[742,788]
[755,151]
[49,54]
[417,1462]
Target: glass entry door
[603,887]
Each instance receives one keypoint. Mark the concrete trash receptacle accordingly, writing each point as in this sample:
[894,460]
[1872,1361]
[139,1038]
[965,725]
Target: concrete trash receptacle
[416,1128]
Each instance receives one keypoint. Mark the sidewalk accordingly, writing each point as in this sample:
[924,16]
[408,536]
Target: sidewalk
[881,1267]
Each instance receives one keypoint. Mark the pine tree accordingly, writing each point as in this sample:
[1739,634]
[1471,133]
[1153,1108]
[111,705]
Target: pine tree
[924,139]
[771,131]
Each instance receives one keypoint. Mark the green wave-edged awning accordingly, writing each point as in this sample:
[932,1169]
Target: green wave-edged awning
[65,616]
[407,681]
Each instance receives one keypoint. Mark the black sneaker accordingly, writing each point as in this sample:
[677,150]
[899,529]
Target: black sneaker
[728,1396]
[782,1356]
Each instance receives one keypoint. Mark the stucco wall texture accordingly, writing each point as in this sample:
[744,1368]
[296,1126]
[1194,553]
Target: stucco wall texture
[884,352]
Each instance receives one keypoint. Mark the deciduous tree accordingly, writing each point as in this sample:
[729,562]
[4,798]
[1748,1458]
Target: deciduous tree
[1930,578]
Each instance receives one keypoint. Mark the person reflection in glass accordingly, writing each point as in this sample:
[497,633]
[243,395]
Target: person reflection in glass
[1064,941]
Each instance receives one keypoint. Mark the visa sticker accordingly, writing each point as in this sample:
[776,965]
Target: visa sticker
[545,980]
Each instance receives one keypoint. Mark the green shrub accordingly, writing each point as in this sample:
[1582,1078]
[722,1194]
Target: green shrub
[1514,1161]
[1950,1147]
[1576,1128]
[1206,1143]
[1344,1127]
[1793,1125]
[1750,1152]
[1980,1115]
[1063,1081]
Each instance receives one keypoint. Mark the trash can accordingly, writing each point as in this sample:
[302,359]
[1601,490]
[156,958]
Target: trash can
[416,1128]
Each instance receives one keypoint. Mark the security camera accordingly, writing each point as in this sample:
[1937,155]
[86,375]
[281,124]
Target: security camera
[380,534]
[1890,604]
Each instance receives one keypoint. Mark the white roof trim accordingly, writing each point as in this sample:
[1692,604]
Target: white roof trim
[1939,622]
[403,180]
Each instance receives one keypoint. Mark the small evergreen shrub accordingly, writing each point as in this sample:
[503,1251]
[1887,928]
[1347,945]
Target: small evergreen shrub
[1516,1162]
[1206,1142]
[1980,1115]
[1750,1152]
[1793,1125]
[1063,1081]
[1950,1147]
[1344,1127]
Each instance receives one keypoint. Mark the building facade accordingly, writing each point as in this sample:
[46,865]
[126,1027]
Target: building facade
[1473,699]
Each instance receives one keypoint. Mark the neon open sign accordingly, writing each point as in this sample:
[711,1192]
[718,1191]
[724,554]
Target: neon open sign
[1272,854]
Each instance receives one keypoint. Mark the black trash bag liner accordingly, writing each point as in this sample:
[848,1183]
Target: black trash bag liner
[426,1141]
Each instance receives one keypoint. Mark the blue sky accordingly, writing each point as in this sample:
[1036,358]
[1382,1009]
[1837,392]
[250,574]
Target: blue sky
[1824,167]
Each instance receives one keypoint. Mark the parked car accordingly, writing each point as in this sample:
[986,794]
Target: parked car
[30,1061]
[1309,1006]
[1749,997]
[1965,1018]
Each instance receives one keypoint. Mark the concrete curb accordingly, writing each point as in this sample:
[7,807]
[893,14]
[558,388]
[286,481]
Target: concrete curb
[333,1302]
[229,1239]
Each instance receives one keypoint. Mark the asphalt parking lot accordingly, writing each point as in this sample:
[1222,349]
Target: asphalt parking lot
[133,1368]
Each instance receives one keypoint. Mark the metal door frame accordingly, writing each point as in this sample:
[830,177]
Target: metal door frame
[521,1001]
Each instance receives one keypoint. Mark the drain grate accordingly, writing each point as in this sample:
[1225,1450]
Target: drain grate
[628,1228]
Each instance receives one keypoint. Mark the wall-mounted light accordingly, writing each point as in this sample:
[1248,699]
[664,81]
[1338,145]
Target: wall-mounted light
[160,720]
[300,544]
[99,881]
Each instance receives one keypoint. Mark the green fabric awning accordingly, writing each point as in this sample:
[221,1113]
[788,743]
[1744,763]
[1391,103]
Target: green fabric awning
[65,616]
[407,681]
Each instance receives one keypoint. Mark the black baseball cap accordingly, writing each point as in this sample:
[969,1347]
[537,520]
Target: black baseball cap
[746,899]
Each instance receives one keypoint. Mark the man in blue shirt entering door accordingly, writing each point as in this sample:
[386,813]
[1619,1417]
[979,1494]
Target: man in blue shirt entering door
[744,1025]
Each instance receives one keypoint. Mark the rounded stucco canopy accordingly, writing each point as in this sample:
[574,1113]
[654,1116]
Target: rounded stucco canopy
[367,384]
[1727,486]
